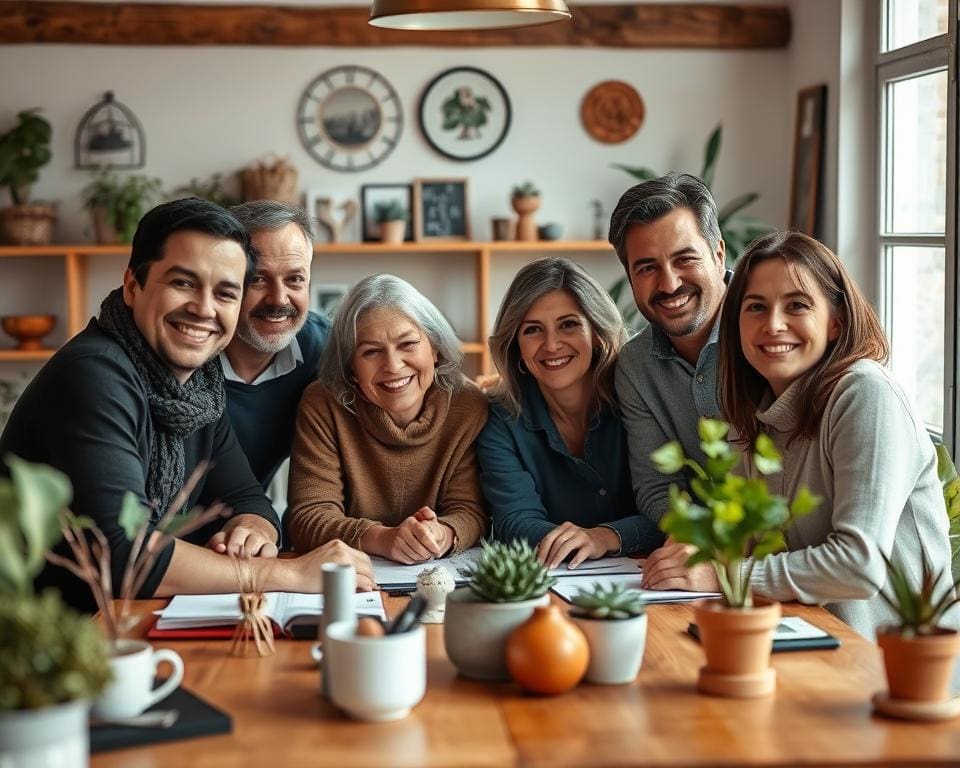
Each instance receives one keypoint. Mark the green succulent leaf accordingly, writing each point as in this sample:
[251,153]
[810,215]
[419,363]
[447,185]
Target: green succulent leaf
[766,457]
[668,458]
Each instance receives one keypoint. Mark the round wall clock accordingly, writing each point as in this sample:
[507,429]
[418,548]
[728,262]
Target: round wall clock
[612,111]
[349,118]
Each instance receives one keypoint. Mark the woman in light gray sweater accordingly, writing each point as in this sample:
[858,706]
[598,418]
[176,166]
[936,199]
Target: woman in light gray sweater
[801,353]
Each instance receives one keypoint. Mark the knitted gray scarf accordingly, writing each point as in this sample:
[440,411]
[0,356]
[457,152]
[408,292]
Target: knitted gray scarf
[178,410]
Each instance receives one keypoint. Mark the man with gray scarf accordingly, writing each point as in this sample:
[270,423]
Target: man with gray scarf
[136,401]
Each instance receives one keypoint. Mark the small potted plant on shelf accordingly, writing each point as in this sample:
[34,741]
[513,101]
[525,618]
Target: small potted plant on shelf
[737,522]
[24,150]
[211,189]
[615,623]
[53,661]
[506,584]
[391,217]
[117,204]
[918,652]
[525,199]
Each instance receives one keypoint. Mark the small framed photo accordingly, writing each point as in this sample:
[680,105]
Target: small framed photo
[327,297]
[374,196]
[441,209]
[807,182]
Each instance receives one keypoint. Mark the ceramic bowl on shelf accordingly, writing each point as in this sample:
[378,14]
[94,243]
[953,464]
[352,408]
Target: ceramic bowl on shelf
[28,330]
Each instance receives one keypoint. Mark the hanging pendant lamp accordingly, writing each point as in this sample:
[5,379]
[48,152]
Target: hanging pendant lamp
[465,14]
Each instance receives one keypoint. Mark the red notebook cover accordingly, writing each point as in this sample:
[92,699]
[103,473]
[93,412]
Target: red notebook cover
[196,633]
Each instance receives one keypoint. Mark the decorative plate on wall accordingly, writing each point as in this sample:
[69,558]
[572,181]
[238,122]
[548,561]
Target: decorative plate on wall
[464,113]
[612,111]
[349,118]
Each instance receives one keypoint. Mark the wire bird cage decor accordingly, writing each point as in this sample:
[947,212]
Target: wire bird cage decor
[109,136]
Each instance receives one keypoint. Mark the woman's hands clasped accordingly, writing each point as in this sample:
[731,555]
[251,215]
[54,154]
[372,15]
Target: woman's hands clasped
[579,544]
[419,538]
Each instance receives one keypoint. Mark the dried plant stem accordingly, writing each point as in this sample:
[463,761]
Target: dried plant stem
[253,623]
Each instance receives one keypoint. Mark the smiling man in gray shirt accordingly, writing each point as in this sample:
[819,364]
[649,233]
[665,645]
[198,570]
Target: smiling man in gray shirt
[666,234]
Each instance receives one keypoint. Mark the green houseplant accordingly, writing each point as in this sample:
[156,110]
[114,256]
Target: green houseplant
[506,584]
[24,150]
[391,217]
[118,203]
[211,189]
[53,661]
[614,621]
[735,522]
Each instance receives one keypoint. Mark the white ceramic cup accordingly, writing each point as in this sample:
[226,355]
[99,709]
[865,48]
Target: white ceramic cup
[374,678]
[134,665]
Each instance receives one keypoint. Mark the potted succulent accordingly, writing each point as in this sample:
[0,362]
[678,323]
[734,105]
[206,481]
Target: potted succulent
[506,584]
[24,150]
[918,653]
[53,661]
[615,623]
[117,204]
[525,199]
[736,523]
[391,217]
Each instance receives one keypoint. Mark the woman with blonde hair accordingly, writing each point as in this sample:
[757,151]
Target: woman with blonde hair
[553,455]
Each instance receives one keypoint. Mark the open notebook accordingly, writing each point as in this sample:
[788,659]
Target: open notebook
[284,609]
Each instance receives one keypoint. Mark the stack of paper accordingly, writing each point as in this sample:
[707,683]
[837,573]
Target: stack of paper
[567,588]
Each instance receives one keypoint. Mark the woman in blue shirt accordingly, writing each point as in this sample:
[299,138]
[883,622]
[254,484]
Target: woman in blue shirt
[553,455]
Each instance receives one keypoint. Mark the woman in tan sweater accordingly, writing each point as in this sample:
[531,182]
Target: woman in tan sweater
[383,454]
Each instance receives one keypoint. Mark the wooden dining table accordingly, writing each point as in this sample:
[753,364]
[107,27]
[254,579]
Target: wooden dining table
[820,714]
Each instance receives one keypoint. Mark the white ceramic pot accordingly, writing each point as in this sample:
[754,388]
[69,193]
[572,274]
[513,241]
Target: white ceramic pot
[475,632]
[40,738]
[616,648]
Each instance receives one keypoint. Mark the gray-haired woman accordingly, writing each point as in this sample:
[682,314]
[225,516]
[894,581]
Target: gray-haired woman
[383,455]
[553,454]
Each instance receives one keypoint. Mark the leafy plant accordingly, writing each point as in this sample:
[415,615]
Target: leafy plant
[615,602]
[465,111]
[950,482]
[124,200]
[507,573]
[527,189]
[210,189]
[919,610]
[738,521]
[49,654]
[389,210]
[24,150]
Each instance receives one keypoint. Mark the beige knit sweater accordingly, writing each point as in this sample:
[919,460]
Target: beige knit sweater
[350,471]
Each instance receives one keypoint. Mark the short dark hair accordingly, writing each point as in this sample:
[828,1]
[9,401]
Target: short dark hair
[649,200]
[188,214]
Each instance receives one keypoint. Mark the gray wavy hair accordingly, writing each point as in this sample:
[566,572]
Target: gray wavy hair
[386,292]
[537,279]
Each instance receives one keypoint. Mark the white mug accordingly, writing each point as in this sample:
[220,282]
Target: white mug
[374,678]
[134,664]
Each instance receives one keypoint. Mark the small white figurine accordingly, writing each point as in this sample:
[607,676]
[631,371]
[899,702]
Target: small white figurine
[433,584]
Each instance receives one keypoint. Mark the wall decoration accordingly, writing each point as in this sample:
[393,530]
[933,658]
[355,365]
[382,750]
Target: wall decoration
[331,217]
[109,136]
[372,195]
[440,209]
[464,113]
[612,111]
[327,297]
[349,118]
[805,192]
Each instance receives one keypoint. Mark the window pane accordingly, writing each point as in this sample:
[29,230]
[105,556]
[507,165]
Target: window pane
[910,21]
[917,144]
[916,327]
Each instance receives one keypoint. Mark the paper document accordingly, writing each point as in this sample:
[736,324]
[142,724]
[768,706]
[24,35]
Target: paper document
[191,611]
[567,588]
[391,575]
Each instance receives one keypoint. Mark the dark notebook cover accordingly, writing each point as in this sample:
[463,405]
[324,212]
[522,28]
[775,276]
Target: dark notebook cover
[197,718]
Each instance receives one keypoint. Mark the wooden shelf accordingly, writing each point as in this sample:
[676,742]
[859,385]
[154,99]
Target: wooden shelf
[76,257]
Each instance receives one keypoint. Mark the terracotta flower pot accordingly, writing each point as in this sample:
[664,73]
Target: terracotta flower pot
[526,207]
[737,643]
[918,668]
[392,232]
[548,653]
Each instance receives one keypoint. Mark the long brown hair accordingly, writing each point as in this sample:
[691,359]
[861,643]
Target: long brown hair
[860,337]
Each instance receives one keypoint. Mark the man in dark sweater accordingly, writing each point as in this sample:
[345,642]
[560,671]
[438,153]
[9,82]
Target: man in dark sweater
[136,401]
[275,352]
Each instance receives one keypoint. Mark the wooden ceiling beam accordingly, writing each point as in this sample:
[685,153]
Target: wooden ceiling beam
[631,25]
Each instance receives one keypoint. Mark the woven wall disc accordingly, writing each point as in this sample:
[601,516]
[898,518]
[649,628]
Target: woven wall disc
[612,111]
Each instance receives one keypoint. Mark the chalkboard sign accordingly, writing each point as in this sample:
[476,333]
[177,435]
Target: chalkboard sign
[440,209]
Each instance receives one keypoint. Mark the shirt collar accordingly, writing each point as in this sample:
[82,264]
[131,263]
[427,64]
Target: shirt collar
[285,361]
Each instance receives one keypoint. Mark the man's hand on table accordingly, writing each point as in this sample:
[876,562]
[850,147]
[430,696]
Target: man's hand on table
[666,568]
[307,576]
[248,533]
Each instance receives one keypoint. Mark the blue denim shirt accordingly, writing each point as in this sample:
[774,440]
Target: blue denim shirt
[532,483]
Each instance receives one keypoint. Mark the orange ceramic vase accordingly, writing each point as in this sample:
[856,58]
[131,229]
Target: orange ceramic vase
[547,654]
[919,668]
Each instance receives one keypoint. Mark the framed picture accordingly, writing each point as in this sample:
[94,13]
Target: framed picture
[464,113]
[806,183]
[374,195]
[440,209]
[327,297]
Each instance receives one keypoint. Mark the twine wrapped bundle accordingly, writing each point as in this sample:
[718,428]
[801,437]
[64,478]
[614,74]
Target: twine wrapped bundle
[270,179]
[254,625]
